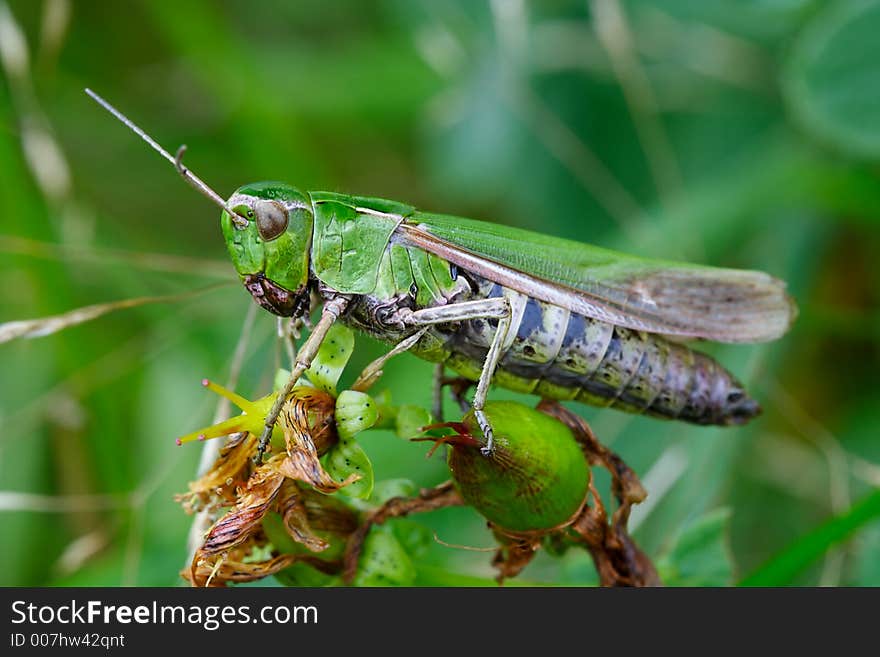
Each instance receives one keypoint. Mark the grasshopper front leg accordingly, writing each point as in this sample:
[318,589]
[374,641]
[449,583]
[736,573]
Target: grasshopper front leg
[494,308]
[304,357]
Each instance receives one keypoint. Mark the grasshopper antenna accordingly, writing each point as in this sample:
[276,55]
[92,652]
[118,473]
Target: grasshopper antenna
[177,160]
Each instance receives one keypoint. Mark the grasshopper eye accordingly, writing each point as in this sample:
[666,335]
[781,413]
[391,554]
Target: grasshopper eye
[272,219]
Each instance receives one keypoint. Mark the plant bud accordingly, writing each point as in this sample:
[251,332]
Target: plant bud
[535,478]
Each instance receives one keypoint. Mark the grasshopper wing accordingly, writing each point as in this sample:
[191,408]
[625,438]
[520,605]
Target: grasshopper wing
[656,296]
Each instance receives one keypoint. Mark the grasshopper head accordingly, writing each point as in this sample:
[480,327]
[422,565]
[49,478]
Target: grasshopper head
[269,243]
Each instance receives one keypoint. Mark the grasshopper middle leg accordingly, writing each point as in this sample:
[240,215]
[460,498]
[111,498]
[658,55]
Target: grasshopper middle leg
[373,371]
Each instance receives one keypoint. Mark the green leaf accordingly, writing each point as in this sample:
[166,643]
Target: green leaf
[410,420]
[832,80]
[786,565]
[302,574]
[383,561]
[867,566]
[701,554]
[387,412]
[331,359]
[415,538]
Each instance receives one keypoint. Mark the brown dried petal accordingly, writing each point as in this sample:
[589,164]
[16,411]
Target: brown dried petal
[617,558]
[302,466]
[291,506]
[229,470]
[218,572]
[513,555]
[235,566]
[329,514]
[302,461]
[238,524]
[310,414]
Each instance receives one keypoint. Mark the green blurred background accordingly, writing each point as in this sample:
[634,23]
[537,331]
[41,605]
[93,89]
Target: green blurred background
[742,134]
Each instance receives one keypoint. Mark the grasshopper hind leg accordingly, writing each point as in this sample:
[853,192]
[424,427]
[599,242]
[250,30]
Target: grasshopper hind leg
[497,308]
[495,352]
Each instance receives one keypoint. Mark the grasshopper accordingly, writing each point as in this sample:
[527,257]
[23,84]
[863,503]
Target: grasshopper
[525,311]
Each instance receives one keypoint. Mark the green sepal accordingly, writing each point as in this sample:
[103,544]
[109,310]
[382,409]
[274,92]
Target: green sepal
[387,412]
[331,359]
[355,412]
[347,458]
[250,419]
[384,561]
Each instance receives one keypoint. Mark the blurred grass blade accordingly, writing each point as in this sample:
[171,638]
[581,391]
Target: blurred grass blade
[163,262]
[42,326]
[786,565]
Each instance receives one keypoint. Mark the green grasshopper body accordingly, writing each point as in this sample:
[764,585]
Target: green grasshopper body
[361,248]
[533,313]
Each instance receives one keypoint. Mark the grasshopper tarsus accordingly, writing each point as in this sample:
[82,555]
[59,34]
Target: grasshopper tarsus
[261,450]
[486,428]
[178,160]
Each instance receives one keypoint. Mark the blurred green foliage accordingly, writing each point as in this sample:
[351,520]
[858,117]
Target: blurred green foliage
[728,133]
